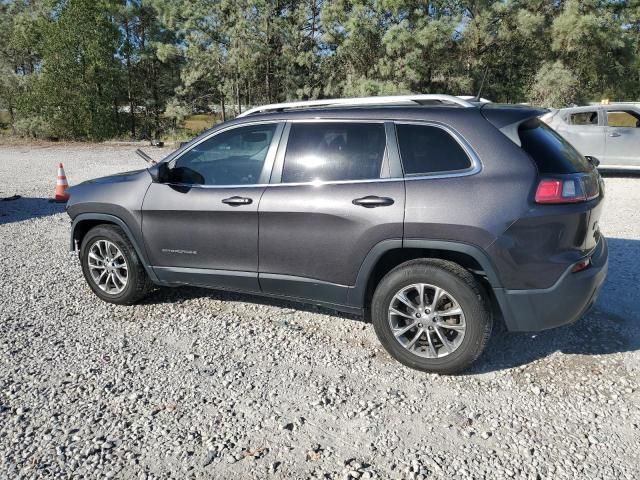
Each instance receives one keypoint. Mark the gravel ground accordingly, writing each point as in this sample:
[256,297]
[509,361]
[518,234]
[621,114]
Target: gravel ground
[196,383]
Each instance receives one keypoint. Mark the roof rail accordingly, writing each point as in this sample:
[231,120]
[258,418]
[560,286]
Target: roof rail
[388,100]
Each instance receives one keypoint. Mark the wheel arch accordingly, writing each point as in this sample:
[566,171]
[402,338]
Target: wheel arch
[388,254]
[84,222]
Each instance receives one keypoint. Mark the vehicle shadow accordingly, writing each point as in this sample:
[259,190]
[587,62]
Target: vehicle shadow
[25,208]
[612,326]
[180,294]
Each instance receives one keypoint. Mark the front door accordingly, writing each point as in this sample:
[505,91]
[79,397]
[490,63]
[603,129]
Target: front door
[623,138]
[200,225]
[329,206]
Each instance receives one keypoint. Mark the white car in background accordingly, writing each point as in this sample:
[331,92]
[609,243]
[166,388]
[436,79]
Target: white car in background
[610,133]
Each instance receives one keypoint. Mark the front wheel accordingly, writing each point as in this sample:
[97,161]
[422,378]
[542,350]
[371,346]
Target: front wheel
[111,266]
[431,315]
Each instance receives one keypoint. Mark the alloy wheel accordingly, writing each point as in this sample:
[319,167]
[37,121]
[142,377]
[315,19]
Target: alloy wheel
[427,320]
[108,267]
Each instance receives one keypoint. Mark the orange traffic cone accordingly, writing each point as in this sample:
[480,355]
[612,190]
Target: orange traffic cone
[61,186]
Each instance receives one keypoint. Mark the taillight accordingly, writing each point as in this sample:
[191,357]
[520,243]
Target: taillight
[581,265]
[566,190]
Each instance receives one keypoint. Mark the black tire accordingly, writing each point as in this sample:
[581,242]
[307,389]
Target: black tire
[461,284]
[138,283]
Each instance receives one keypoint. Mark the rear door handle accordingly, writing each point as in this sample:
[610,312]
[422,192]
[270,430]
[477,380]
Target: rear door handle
[372,201]
[614,134]
[237,201]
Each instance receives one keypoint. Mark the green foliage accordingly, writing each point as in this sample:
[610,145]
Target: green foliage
[34,126]
[555,85]
[76,86]
[590,39]
[92,69]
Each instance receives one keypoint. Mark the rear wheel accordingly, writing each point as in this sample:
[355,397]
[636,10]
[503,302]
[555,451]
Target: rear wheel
[431,315]
[111,266]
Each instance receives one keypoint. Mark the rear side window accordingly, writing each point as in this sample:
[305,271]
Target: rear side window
[551,152]
[426,150]
[623,119]
[583,118]
[334,151]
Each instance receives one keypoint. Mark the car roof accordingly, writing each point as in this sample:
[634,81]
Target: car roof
[618,106]
[497,114]
[609,106]
[583,108]
[395,112]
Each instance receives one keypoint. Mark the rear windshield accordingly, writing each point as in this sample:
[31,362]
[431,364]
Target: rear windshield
[551,152]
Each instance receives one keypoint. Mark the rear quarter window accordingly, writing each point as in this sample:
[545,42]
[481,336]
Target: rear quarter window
[550,152]
[427,150]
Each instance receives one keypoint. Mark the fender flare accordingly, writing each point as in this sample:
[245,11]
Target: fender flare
[120,223]
[358,292]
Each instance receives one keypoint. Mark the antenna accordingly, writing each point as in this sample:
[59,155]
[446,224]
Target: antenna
[145,157]
[484,77]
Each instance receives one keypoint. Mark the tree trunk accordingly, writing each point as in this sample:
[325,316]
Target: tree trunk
[224,112]
[267,76]
[156,98]
[238,94]
[268,80]
[132,115]
[116,114]
[12,118]
[314,14]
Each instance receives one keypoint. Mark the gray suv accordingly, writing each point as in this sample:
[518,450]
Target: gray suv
[428,214]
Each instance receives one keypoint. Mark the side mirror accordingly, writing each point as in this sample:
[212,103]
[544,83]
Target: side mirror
[592,160]
[160,173]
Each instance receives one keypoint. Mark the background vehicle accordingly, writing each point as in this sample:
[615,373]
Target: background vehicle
[424,212]
[611,133]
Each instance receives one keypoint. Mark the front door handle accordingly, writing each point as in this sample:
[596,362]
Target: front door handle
[237,201]
[614,134]
[372,201]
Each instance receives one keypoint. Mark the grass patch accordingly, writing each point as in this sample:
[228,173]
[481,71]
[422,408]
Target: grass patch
[189,128]
[5,120]
[200,122]
[192,126]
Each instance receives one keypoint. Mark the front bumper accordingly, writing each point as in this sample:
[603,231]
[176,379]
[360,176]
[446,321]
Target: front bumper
[561,304]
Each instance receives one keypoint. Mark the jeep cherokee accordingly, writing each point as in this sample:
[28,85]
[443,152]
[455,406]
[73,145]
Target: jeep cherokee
[426,213]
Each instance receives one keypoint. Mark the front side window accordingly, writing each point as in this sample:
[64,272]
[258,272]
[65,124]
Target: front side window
[427,150]
[584,118]
[233,157]
[623,119]
[333,152]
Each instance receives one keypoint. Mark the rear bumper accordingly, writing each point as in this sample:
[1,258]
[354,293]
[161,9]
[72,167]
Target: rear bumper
[561,304]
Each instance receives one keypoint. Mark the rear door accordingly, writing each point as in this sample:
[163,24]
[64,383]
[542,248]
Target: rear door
[201,225]
[623,138]
[584,130]
[435,161]
[332,199]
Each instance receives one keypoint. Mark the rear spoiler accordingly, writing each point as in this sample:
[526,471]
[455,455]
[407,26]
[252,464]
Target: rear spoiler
[507,118]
